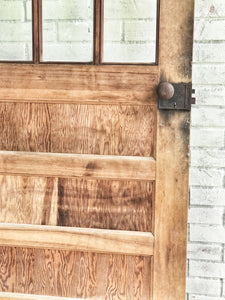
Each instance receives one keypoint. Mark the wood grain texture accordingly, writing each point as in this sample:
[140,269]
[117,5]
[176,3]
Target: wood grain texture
[53,96]
[79,239]
[176,40]
[20,296]
[28,200]
[171,206]
[75,165]
[173,130]
[76,274]
[105,204]
[102,204]
[80,129]
[74,83]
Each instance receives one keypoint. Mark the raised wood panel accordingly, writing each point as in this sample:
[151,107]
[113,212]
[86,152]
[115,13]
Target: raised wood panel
[77,165]
[103,204]
[28,200]
[80,239]
[75,274]
[80,129]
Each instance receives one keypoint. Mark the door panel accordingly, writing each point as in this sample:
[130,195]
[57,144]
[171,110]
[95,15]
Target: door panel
[74,274]
[103,204]
[81,129]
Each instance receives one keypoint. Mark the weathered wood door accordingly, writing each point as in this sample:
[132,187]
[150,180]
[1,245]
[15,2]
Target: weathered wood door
[93,175]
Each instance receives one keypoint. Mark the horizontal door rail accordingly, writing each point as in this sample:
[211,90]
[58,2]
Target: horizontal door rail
[54,96]
[16,296]
[77,239]
[74,165]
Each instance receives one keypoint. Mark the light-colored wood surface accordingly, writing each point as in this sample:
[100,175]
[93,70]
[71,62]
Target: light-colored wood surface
[77,202]
[75,274]
[79,239]
[173,130]
[74,83]
[52,96]
[75,165]
[79,129]
[97,112]
[15,296]
[176,40]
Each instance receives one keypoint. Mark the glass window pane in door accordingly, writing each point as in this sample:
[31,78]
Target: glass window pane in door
[15,30]
[67,30]
[130,31]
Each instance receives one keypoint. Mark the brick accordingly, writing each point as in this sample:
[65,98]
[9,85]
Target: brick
[207,233]
[209,74]
[14,52]
[209,138]
[199,215]
[15,32]
[29,10]
[208,117]
[127,9]
[209,30]
[70,52]
[210,95]
[129,53]
[113,31]
[12,10]
[207,269]
[210,8]
[67,10]
[204,251]
[206,177]
[214,197]
[49,32]
[75,31]
[203,286]
[211,52]
[208,158]
[199,297]
[136,31]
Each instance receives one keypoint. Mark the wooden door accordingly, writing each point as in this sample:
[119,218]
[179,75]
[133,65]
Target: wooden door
[93,175]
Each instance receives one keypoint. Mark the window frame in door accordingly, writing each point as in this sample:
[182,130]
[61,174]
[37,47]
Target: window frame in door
[98,38]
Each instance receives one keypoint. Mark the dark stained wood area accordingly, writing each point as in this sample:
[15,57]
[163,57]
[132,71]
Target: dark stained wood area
[74,274]
[103,204]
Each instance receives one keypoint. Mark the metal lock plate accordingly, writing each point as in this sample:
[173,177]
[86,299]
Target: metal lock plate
[182,98]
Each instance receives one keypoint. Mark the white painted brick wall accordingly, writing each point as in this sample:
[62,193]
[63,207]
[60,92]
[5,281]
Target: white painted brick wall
[206,251]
